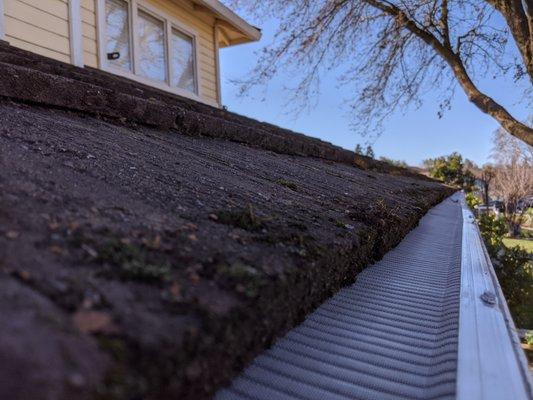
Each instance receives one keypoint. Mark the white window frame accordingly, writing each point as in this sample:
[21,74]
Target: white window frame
[165,43]
[102,42]
[2,23]
[75,35]
[173,25]
[169,23]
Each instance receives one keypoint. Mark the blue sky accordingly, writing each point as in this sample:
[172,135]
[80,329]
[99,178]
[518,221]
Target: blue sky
[413,136]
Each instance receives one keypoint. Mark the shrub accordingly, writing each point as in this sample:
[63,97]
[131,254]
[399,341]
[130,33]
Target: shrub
[513,268]
[472,200]
[515,274]
[492,230]
[529,338]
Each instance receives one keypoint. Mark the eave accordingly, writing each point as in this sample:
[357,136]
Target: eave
[237,30]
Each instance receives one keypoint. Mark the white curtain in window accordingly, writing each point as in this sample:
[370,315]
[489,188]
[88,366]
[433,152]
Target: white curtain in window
[152,54]
[183,68]
[118,34]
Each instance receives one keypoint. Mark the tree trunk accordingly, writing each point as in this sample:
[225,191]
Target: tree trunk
[513,229]
[486,193]
[510,9]
[487,104]
[519,17]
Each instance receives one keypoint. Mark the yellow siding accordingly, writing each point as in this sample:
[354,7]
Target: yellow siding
[40,26]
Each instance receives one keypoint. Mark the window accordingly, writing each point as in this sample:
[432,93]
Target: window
[118,34]
[157,49]
[183,62]
[152,52]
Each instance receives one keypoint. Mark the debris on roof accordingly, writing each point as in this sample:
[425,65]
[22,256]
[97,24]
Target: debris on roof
[140,262]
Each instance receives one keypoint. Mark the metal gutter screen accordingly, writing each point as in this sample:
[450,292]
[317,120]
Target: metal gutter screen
[391,335]
[429,321]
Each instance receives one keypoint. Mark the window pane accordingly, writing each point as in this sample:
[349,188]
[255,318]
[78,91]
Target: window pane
[152,55]
[183,69]
[118,33]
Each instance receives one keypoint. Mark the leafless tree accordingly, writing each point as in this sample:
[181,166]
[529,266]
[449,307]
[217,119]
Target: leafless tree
[513,176]
[394,51]
[486,175]
[483,175]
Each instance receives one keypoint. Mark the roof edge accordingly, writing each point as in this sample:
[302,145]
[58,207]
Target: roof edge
[491,364]
[232,18]
[31,78]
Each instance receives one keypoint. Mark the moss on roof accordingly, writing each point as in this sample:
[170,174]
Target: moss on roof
[137,262]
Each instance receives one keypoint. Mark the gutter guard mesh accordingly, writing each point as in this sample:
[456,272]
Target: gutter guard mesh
[391,335]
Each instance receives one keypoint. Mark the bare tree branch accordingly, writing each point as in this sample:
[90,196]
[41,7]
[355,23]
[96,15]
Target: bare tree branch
[519,17]
[513,176]
[397,49]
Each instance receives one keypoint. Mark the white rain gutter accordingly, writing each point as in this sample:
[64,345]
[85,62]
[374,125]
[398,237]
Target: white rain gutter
[2,21]
[491,363]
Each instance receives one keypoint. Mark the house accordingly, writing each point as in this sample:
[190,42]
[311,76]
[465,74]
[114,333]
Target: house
[152,246]
[172,45]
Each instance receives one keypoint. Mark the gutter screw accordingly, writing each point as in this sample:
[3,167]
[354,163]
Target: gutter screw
[489,299]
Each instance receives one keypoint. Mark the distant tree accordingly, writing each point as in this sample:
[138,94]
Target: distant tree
[449,169]
[394,51]
[513,176]
[470,175]
[469,180]
[470,165]
[369,151]
[359,149]
[397,163]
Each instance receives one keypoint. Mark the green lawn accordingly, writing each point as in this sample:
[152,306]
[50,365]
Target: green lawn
[526,244]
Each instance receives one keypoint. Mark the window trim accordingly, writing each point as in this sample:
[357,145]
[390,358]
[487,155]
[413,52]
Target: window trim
[216,34]
[75,33]
[165,42]
[2,22]
[169,23]
[101,40]
[196,67]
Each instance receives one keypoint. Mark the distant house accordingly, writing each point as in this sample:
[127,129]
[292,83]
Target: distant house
[169,44]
